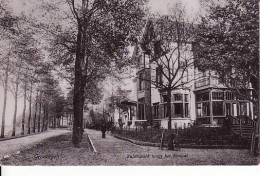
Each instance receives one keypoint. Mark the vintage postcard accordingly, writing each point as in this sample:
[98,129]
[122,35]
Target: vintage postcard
[129,83]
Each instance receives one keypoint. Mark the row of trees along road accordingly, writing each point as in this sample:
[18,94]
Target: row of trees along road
[90,40]
[24,73]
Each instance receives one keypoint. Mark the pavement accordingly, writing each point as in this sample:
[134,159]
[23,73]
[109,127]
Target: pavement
[113,151]
[14,146]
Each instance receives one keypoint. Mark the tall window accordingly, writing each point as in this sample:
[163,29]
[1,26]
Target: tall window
[141,108]
[205,109]
[157,49]
[186,110]
[179,105]
[178,109]
[159,76]
[199,109]
[218,108]
[218,103]
[141,81]
[243,108]
[203,104]
[156,110]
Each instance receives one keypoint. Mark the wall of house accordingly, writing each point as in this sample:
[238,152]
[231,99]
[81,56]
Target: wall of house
[176,123]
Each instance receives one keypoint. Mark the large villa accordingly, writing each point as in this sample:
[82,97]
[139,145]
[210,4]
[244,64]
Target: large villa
[202,99]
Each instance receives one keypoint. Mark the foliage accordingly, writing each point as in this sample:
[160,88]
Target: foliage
[227,43]
[116,99]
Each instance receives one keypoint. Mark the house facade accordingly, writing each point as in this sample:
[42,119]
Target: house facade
[201,99]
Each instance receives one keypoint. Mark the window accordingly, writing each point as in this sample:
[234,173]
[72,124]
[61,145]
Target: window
[243,108]
[141,81]
[159,76]
[218,109]
[229,96]
[177,97]
[203,96]
[157,49]
[186,98]
[235,109]
[156,110]
[218,95]
[141,109]
[186,110]
[164,98]
[146,60]
[178,109]
[199,109]
[205,109]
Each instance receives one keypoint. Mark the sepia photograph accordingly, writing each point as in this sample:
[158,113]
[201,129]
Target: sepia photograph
[129,83]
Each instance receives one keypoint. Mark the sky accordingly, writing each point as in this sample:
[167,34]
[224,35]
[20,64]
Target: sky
[161,6]
[156,6]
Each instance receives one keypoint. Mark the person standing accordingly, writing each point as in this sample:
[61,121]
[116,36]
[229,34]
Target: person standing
[103,129]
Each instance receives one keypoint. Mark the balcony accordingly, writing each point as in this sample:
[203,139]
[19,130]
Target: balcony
[205,82]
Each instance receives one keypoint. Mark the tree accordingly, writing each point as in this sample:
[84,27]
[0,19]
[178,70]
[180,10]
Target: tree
[7,22]
[167,44]
[56,107]
[227,43]
[32,75]
[95,43]
[116,98]
[24,48]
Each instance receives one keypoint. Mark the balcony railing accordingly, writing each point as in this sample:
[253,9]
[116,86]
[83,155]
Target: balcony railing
[206,82]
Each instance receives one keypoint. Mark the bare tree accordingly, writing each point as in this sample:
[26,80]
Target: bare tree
[167,45]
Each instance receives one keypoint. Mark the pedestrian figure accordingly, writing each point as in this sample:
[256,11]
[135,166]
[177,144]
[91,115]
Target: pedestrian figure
[176,145]
[170,141]
[103,129]
[113,128]
[227,123]
[173,143]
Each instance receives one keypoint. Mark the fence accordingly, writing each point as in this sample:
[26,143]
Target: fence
[193,135]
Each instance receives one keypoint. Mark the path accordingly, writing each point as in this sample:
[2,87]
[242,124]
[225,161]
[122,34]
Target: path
[12,146]
[113,151]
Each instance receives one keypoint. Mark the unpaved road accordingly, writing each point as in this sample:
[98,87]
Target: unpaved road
[13,146]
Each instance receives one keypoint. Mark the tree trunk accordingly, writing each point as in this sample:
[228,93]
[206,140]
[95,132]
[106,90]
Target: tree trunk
[30,111]
[5,100]
[258,109]
[40,109]
[47,118]
[35,114]
[16,97]
[24,108]
[43,120]
[78,94]
[15,105]
[169,111]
